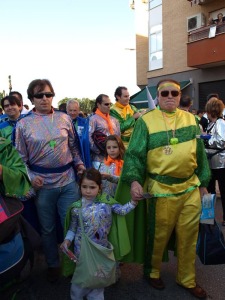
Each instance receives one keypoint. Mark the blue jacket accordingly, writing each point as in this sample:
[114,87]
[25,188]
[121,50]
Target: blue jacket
[81,125]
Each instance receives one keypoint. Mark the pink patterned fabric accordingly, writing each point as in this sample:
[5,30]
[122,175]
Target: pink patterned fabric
[97,123]
[33,135]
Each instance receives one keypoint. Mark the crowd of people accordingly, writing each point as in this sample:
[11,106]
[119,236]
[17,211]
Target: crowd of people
[86,174]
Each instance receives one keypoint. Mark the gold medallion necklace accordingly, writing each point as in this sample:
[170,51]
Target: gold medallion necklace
[170,141]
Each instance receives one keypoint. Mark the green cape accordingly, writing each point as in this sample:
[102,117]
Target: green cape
[15,181]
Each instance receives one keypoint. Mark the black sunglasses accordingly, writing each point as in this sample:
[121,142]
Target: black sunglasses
[107,104]
[173,93]
[41,95]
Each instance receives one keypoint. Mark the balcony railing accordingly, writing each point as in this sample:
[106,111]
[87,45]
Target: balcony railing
[203,33]
[205,52]
[199,2]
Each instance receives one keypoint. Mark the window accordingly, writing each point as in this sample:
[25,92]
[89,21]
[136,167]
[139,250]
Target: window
[155,37]
[154,3]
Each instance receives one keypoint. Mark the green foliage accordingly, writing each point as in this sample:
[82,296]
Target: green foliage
[64,100]
[86,104]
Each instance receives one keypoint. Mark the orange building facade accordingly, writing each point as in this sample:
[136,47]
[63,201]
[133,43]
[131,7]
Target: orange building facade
[175,40]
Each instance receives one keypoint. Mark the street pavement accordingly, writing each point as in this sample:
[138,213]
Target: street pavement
[132,285]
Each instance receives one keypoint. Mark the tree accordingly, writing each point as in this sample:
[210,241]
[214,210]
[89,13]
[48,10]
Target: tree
[86,104]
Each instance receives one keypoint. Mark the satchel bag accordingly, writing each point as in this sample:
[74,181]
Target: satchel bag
[211,245]
[96,266]
[99,139]
[10,209]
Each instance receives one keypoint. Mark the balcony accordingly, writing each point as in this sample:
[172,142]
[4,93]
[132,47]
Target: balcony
[204,52]
[199,2]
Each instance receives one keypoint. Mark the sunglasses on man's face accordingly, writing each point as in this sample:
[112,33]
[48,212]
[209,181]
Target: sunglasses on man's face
[107,104]
[41,95]
[173,93]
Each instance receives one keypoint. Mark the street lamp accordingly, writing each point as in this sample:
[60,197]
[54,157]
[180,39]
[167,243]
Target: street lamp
[10,84]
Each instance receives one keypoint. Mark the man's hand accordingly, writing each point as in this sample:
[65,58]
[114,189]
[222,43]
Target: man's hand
[136,191]
[136,115]
[80,169]
[37,182]
[203,191]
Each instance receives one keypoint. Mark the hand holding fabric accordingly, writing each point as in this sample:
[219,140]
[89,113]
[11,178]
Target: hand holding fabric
[136,191]
[203,191]
[80,169]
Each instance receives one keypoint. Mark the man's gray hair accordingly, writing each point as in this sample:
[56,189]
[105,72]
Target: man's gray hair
[72,101]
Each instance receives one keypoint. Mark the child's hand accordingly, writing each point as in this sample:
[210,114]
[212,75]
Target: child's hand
[134,202]
[64,248]
[65,244]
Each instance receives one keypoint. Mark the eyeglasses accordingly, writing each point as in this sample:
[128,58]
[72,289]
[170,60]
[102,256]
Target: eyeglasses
[173,93]
[107,104]
[41,95]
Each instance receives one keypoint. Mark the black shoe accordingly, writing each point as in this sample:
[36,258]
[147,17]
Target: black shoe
[157,283]
[53,274]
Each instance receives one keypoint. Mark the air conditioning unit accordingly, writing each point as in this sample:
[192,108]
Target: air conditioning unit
[196,21]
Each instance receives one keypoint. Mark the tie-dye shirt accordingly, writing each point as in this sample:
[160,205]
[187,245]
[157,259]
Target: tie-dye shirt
[32,138]
[97,123]
[97,220]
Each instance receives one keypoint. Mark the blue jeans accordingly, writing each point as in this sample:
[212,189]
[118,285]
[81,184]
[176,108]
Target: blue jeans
[48,202]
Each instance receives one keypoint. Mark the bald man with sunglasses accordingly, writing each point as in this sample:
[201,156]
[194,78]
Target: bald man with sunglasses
[49,146]
[165,160]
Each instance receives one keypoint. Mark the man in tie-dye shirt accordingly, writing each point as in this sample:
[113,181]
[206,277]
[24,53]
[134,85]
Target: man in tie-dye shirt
[49,146]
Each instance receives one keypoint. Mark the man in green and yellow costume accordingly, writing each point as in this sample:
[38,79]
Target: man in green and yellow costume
[125,113]
[165,159]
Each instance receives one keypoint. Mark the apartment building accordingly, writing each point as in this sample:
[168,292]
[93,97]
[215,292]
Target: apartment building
[174,40]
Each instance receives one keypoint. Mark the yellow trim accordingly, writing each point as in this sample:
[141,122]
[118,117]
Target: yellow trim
[155,122]
[171,84]
[160,163]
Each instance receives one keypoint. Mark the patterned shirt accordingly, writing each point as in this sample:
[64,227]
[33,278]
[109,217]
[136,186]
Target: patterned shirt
[48,141]
[97,123]
[97,220]
[109,186]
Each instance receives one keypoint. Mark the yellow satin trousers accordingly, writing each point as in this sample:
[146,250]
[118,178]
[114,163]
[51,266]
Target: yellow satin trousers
[181,213]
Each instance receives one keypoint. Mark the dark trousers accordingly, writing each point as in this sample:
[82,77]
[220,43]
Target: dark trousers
[219,175]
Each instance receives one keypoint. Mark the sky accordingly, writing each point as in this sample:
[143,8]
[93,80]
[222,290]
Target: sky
[79,45]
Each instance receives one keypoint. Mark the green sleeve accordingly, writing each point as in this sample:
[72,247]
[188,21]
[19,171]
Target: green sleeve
[203,170]
[124,124]
[135,160]
[6,132]
[15,180]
